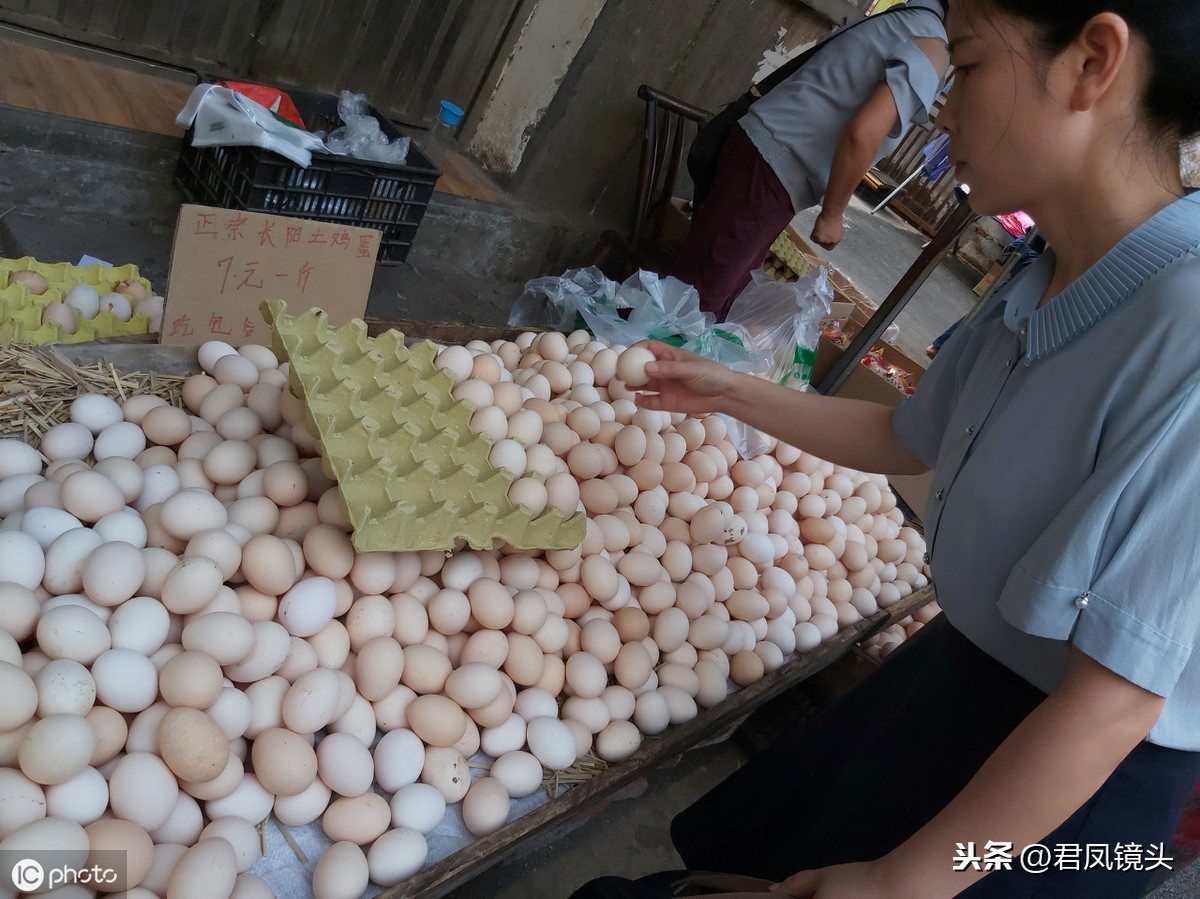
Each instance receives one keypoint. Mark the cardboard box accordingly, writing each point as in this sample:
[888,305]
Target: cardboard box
[677,220]
[225,262]
[989,279]
[865,384]
[838,311]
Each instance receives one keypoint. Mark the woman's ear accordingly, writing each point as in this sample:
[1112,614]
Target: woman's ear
[1101,52]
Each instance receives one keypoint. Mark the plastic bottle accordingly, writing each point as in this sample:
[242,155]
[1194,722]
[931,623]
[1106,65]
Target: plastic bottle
[437,138]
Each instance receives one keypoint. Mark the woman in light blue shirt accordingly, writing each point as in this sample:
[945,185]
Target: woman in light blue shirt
[1057,701]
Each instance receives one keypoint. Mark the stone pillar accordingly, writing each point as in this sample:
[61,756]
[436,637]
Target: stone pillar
[529,80]
[1189,162]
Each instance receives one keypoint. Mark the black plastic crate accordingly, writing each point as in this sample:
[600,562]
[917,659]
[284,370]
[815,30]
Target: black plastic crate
[337,189]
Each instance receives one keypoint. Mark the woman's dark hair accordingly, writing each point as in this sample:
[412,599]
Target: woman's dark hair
[1168,30]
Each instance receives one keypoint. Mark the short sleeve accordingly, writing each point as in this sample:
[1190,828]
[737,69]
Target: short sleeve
[914,85]
[1117,571]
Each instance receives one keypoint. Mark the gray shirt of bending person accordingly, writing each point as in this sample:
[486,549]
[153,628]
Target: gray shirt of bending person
[796,126]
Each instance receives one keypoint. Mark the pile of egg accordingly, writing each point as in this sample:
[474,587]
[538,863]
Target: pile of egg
[884,643]
[189,642]
[83,302]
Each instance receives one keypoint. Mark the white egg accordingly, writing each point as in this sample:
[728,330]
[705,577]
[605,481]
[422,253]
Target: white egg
[66,440]
[508,455]
[552,743]
[142,624]
[82,799]
[490,420]
[520,773]
[12,490]
[84,298]
[126,680]
[152,308]
[121,439]
[399,759]
[396,855]
[117,304]
[210,351]
[95,411]
[421,807]
[456,361]
[504,738]
[631,366]
[308,606]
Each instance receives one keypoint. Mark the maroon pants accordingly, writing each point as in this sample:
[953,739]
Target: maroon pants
[733,230]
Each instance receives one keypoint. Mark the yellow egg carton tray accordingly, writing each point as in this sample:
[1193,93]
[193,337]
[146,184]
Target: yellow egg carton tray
[412,474]
[21,311]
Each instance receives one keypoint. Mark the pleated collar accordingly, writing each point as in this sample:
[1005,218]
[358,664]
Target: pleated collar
[1164,238]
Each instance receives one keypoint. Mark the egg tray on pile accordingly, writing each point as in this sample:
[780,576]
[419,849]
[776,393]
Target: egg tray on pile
[412,474]
[21,311]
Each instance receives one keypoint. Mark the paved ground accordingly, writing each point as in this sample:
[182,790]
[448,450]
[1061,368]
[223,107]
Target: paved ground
[876,252]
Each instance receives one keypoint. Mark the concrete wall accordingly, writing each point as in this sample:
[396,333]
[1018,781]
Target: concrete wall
[582,158]
[982,243]
[1189,162]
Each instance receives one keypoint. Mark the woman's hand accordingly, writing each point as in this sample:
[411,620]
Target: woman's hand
[681,381]
[860,880]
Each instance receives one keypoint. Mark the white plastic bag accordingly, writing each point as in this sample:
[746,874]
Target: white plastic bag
[783,321]
[223,117]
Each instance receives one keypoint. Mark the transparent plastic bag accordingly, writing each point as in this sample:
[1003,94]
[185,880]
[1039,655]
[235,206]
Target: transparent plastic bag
[661,308]
[658,308]
[731,346]
[555,302]
[783,321]
[361,137]
[782,324]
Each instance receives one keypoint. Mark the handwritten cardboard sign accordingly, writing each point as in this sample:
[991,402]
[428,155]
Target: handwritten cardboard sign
[225,262]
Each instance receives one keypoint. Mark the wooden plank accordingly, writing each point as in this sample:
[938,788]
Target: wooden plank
[443,332]
[453,871]
[65,84]
[461,177]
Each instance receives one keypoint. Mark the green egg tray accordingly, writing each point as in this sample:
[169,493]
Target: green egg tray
[412,474]
[21,311]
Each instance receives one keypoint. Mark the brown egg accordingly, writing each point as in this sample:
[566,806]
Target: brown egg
[268,565]
[632,624]
[193,745]
[32,281]
[116,835]
[284,761]
[167,426]
[358,819]
[437,720]
[525,660]
[191,679]
[62,315]
[425,670]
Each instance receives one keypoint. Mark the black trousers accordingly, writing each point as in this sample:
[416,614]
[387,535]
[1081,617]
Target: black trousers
[869,771]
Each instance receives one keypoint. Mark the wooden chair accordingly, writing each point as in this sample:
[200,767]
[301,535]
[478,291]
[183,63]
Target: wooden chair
[669,126]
